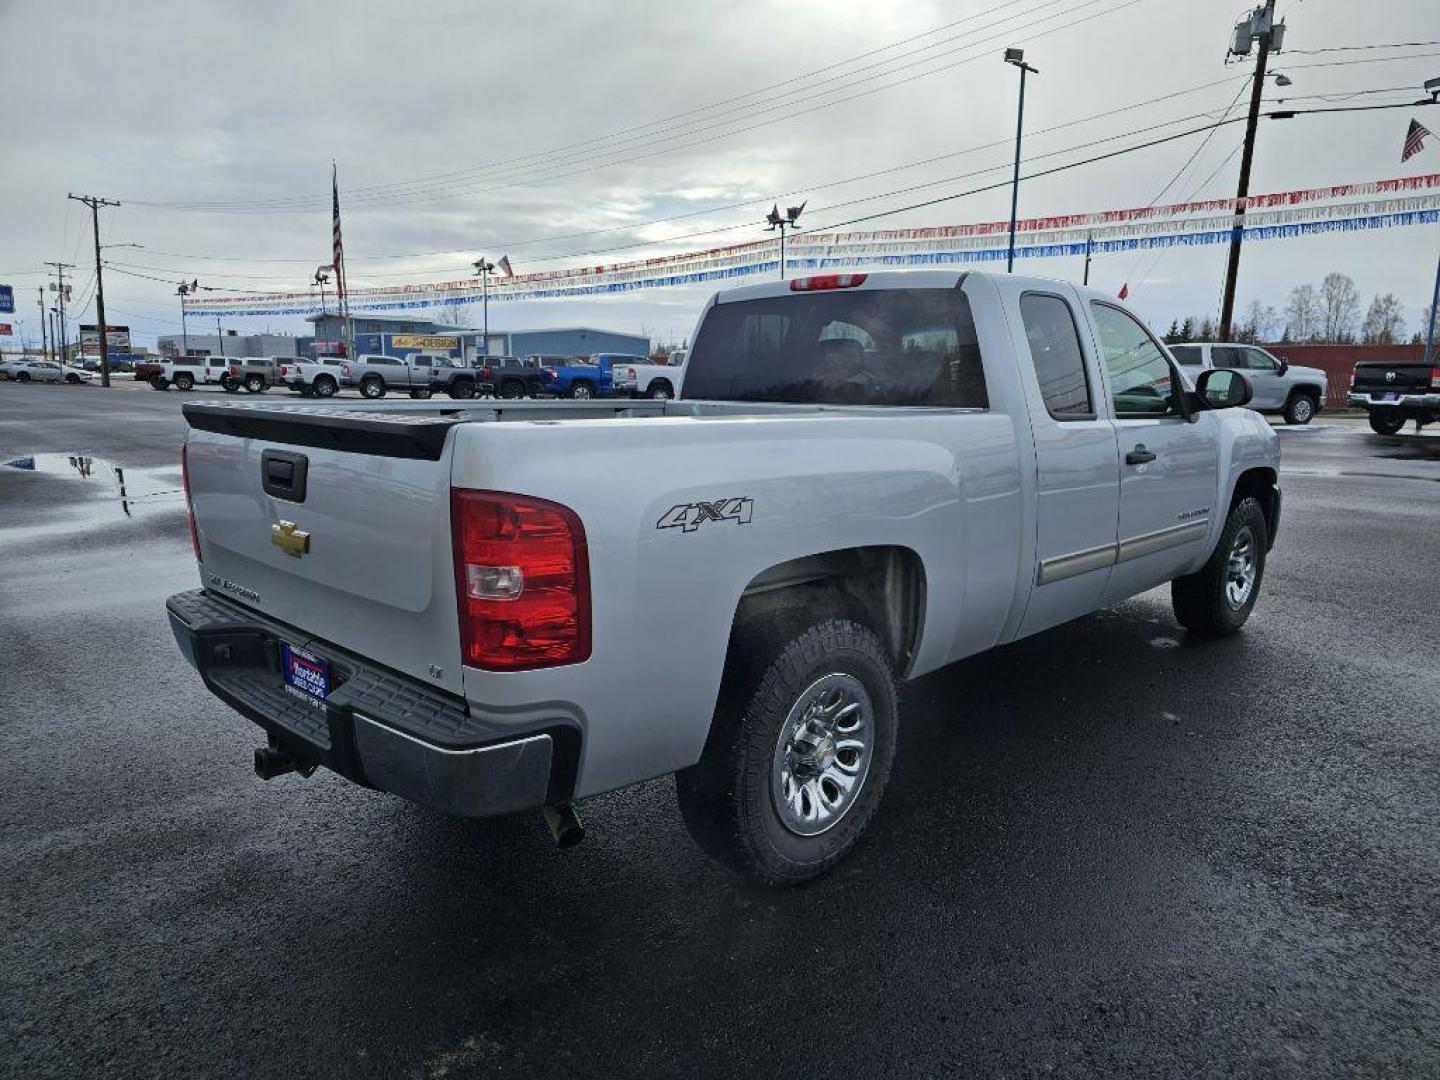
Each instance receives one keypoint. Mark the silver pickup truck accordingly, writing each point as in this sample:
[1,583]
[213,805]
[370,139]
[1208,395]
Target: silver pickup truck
[484,607]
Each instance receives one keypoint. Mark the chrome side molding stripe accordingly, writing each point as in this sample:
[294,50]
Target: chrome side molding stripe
[1097,558]
[1078,562]
[1160,539]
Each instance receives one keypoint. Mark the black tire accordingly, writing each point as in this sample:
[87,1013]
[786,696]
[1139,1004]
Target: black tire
[72,379]
[372,386]
[1386,421]
[422,395]
[727,799]
[512,389]
[1204,602]
[184,381]
[325,386]
[254,384]
[1301,408]
[24,376]
[230,385]
[462,389]
[582,390]
[159,382]
[660,390]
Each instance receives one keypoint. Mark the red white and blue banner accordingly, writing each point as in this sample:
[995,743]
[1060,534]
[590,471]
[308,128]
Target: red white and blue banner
[1382,204]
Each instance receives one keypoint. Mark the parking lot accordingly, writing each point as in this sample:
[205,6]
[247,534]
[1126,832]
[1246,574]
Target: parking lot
[1105,850]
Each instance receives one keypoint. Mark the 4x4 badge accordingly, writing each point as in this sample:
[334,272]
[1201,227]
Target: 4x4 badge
[690,516]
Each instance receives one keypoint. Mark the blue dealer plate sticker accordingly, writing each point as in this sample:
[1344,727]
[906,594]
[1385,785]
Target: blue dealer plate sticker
[1389,395]
[308,674]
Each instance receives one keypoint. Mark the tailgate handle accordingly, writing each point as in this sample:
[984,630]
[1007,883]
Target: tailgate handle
[283,474]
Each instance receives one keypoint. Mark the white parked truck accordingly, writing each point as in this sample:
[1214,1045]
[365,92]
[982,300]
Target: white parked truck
[320,377]
[485,607]
[659,381]
[188,372]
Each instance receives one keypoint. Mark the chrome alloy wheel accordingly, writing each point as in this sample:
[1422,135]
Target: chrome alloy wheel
[1240,568]
[823,754]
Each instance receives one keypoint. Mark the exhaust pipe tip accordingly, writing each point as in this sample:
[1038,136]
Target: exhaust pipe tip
[564,825]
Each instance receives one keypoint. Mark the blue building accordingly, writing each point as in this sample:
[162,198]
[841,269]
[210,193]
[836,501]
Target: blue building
[390,335]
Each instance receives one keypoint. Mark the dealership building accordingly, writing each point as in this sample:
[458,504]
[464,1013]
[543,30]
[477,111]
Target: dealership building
[391,335]
[232,344]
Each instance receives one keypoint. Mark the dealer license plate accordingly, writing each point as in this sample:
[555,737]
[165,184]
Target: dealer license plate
[307,674]
[1389,395]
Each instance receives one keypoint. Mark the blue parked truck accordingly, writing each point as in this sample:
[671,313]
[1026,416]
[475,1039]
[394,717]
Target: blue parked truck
[601,375]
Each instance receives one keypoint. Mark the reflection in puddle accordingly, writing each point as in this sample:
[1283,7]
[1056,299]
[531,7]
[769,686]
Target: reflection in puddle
[128,490]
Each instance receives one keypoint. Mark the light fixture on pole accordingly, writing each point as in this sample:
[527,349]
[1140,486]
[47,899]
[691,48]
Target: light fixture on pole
[322,275]
[792,215]
[483,268]
[1016,58]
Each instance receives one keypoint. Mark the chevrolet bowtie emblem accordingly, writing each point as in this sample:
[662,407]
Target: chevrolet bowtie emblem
[289,539]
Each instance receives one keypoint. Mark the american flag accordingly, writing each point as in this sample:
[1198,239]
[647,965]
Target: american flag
[339,259]
[1414,140]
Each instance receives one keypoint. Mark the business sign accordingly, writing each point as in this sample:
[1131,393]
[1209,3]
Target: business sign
[420,341]
[117,339]
[327,348]
[7,298]
[6,329]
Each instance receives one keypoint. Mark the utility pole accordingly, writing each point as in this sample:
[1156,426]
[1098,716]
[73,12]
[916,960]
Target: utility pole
[220,335]
[59,291]
[483,267]
[1016,57]
[95,202]
[44,340]
[1258,26]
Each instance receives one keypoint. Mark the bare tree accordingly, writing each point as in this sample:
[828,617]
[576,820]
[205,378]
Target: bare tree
[1384,323]
[1260,323]
[1341,305]
[1302,313]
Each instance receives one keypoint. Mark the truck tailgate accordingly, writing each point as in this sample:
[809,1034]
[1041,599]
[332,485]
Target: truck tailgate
[334,522]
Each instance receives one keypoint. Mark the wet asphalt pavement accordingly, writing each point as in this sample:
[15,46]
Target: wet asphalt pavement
[1107,850]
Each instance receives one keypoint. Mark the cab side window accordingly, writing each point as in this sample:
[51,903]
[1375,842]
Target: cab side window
[1055,351]
[1142,383]
[1255,360]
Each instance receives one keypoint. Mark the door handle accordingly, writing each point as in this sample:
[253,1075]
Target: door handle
[1139,456]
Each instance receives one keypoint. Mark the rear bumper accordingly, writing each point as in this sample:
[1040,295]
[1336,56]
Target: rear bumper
[377,728]
[1400,401]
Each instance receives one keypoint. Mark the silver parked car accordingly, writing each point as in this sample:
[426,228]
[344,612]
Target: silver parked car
[1296,393]
[37,371]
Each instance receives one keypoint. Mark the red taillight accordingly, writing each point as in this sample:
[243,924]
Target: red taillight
[284,371]
[487,373]
[1435,378]
[189,506]
[826,281]
[522,580]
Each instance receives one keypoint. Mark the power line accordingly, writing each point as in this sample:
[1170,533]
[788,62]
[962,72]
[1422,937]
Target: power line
[715,209]
[408,192]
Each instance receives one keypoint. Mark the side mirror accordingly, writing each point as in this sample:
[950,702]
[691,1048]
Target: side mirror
[1223,388]
[1281,365]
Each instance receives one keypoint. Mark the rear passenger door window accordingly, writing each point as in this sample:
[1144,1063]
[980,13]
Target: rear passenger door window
[1142,383]
[1059,361]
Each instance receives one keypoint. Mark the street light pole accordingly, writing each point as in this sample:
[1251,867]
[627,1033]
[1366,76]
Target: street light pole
[220,335]
[183,291]
[788,221]
[1430,355]
[59,291]
[1086,279]
[44,340]
[483,267]
[1016,58]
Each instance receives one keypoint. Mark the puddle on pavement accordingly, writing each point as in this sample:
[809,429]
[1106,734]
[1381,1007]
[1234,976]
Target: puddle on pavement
[97,491]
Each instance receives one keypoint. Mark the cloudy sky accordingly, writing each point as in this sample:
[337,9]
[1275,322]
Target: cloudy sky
[562,133]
